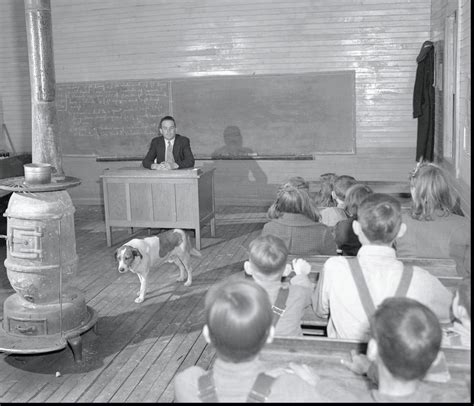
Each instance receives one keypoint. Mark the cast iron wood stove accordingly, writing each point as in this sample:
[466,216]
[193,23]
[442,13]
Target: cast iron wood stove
[47,312]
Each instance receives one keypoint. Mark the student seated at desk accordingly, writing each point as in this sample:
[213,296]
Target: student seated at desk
[238,318]
[349,289]
[331,215]
[347,241]
[405,340]
[294,218]
[267,264]
[433,230]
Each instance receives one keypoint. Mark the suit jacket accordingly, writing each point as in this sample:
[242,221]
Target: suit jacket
[182,153]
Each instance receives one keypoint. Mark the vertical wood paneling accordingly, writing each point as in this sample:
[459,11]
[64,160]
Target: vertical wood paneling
[439,11]
[464,90]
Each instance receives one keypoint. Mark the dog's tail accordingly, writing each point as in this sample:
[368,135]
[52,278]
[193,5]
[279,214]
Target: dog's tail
[192,251]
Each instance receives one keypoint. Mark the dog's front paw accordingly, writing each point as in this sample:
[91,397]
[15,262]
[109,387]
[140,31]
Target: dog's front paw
[180,279]
[139,299]
[187,283]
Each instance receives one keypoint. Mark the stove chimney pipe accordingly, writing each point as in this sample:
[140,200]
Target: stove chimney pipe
[45,138]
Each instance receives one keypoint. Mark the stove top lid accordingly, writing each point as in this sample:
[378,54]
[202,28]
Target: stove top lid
[18,184]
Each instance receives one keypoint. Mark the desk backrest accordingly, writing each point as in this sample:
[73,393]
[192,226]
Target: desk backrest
[317,346]
[378,186]
[325,354]
[442,268]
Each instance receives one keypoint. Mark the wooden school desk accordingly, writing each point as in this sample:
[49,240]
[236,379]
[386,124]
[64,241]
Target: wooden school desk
[440,267]
[325,354]
[138,197]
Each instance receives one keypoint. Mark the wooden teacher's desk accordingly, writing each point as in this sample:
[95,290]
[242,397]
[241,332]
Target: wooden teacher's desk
[138,197]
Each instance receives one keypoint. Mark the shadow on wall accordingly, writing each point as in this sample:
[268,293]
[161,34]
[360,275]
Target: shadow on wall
[249,183]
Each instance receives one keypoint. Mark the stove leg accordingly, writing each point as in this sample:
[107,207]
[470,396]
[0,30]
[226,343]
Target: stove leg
[76,346]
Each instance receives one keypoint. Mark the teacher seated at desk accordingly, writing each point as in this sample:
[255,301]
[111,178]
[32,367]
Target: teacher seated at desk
[171,150]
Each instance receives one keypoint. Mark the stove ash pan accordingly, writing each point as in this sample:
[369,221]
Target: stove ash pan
[22,318]
[41,246]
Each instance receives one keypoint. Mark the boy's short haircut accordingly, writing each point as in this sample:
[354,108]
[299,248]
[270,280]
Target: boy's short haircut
[380,218]
[464,295]
[408,337]
[341,184]
[354,196]
[239,316]
[269,254]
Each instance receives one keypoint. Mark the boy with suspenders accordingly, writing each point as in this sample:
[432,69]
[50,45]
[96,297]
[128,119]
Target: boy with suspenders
[349,289]
[238,317]
[267,264]
[404,345]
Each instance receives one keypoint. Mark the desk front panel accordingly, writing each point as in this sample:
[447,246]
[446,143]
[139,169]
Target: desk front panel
[146,203]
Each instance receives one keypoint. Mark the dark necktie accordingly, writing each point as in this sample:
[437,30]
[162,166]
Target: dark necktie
[169,152]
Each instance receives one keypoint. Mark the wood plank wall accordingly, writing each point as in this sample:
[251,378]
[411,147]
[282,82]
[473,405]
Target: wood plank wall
[106,40]
[14,76]
[140,39]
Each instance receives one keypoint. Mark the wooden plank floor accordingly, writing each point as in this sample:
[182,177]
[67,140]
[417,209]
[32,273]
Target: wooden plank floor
[138,348]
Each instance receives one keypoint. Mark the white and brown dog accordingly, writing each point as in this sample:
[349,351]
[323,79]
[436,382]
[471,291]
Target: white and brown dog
[140,255]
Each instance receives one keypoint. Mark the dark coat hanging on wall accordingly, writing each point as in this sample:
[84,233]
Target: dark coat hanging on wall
[424,102]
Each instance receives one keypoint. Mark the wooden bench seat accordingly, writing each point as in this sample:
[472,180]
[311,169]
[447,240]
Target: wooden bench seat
[378,186]
[325,354]
[398,189]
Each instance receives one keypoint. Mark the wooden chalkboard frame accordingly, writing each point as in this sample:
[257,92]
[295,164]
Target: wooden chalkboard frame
[94,132]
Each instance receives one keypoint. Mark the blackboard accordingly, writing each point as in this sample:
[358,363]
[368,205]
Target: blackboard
[227,116]
[112,118]
[268,114]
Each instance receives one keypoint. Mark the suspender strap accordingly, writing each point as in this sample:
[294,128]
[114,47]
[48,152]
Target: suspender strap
[361,284]
[261,389]
[279,306]
[364,294]
[405,281]
[206,388]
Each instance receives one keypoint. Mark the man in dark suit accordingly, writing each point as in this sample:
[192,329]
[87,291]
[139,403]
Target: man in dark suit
[171,150]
